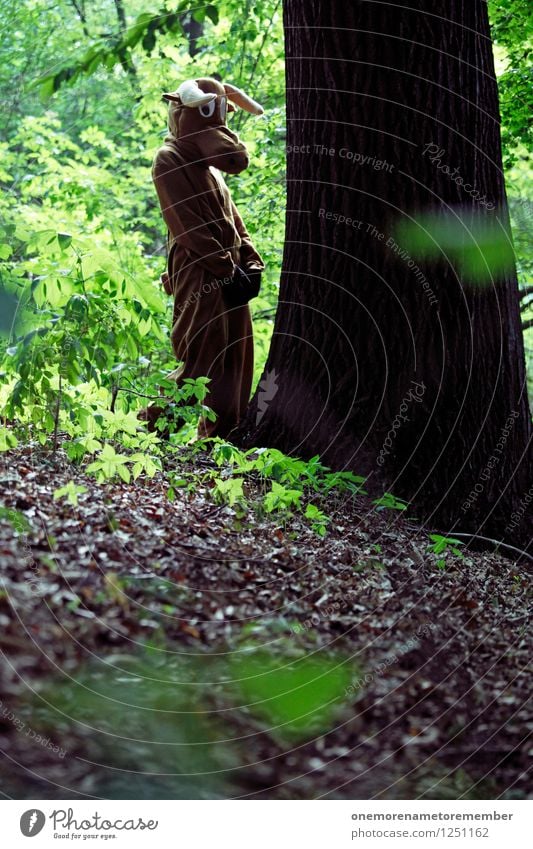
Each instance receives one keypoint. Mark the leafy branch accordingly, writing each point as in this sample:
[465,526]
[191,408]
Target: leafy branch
[117,48]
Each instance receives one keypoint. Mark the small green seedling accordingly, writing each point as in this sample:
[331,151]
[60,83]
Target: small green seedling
[443,545]
[229,491]
[319,520]
[388,501]
[281,498]
[70,491]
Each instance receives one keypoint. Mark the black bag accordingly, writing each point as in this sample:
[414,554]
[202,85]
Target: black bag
[243,286]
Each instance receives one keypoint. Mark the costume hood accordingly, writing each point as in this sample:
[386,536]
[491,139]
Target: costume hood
[197,124]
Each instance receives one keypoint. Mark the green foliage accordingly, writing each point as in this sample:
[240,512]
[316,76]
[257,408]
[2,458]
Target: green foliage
[116,49]
[389,502]
[156,732]
[442,545]
[319,520]
[109,464]
[512,30]
[81,237]
[8,309]
[70,491]
[8,439]
[182,408]
[281,498]
[16,519]
[289,482]
[229,491]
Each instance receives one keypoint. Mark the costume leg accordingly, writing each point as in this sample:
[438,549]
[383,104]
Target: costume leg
[234,384]
[205,339]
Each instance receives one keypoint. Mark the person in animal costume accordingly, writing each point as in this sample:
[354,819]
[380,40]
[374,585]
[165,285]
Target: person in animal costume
[213,267]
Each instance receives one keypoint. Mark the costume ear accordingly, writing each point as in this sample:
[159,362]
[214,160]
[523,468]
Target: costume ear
[190,94]
[241,99]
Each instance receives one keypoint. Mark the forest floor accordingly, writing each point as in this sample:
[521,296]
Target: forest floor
[147,647]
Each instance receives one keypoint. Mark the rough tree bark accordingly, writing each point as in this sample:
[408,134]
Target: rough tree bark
[362,333]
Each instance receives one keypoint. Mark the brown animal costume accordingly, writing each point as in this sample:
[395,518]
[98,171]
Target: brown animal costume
[208,245]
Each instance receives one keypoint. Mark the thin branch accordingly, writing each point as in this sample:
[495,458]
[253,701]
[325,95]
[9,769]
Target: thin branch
[79,6]
[140,394]
[56,414]
[266,313]
[121,14]
[194,30]
[114,393]
[260,51]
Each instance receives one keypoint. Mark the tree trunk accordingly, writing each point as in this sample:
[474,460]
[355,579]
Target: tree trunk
[194,31]
[125,60]
[384,363]
[79,7]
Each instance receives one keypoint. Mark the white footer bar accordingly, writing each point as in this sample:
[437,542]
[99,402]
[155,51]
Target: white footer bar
[266,824]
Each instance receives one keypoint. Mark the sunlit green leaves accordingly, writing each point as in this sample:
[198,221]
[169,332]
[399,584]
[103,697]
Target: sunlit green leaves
[109,463]
[281,498]
[71,492]
[229,491]
[512,32]
[8,439]
[114,50]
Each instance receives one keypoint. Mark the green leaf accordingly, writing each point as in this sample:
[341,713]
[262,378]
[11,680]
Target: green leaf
[212,12]
[389,502]
[64,240]
[123,472]
[70,491]
[229,491]
[8,439]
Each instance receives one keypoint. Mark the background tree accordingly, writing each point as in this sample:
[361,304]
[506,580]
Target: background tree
[392,114]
